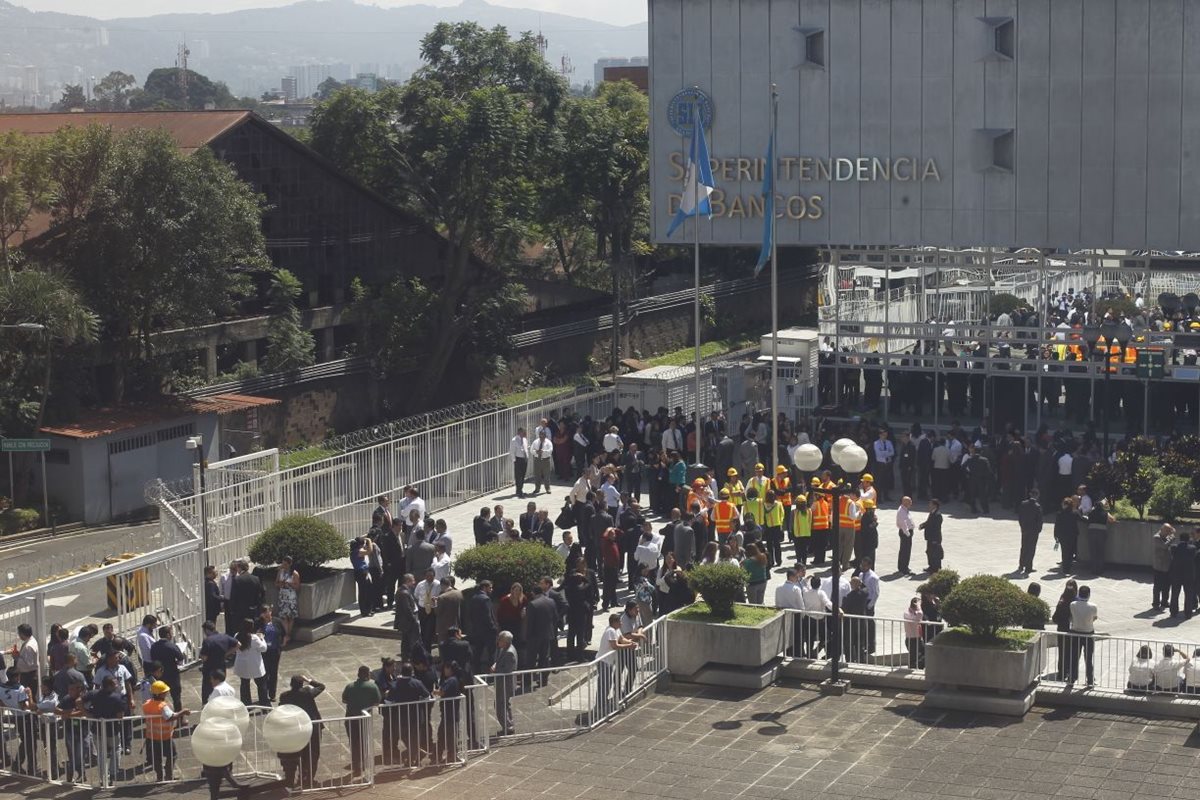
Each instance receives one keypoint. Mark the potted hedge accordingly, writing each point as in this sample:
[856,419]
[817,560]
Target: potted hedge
[981,650]
[719,640]
[311,543]
[507,563]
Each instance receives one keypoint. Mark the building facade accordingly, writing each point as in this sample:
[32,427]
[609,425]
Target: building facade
[1045,123]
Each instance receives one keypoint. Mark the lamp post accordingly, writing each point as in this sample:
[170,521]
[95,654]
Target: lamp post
[852,459]
[197,443]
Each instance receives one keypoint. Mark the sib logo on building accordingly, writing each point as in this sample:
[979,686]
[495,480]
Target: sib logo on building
[686,107]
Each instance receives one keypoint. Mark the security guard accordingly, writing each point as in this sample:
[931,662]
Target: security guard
[737,492]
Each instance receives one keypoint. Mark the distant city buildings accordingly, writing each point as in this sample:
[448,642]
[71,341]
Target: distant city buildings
[603,63]
[310,76]
[287,87]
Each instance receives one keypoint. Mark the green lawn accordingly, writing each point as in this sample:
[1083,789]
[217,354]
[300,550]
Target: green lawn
[686,356]
[535,393]
[307,455]
[1007,639]
[748,616]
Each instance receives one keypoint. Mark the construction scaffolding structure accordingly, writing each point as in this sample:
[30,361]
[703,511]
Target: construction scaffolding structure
[909,326]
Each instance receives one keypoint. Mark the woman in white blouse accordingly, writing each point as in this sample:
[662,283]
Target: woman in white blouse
[1141,671]
[248,665]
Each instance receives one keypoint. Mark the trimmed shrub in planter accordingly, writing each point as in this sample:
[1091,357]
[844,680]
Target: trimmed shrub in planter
[309,541]
[15,520]
[1171,498]
[505,564]
[985,603]
[941,583]
[720,585]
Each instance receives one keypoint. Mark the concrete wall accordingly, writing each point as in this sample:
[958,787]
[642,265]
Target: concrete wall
[1100,98]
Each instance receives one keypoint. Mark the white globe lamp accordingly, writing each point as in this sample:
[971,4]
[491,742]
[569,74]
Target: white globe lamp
[216,742]
[852,459]
[808,457]
[287,729]
[227,708]
[838,447]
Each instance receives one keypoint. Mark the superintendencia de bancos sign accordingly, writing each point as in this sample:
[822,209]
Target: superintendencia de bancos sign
[747,201]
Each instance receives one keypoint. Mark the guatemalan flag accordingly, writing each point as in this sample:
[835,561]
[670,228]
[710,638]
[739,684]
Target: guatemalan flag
[768,191]
[698,182]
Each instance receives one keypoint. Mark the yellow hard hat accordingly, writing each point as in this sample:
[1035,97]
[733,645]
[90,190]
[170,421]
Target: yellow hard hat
[1194,325]
[724,493]
[779,470]
[868,477]
[815,482]
[698,482]
[731,472]
[801,498]
[759,466]
[867,503]
[158,687]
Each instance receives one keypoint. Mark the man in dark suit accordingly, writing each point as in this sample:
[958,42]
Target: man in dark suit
[562,608]
[1031,519]
[924,462]
[481,625]
[448,612]
[541,630]
[527,522]
[933,536]
[407,622]
[1183,575]
[390,540]
[545,529]
[213,601]
[420,557]
[483,527]
[506,664]
[455,648]
[726,450]
[601,521]
[245,599]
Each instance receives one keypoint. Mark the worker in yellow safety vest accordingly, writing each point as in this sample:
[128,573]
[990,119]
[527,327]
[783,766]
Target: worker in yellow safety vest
[725,516]
[161,721]
[782,484]
[753,508]
[737,492]
[759,481]
[774,515]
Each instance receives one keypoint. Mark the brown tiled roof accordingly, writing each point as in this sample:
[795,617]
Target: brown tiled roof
[191,130]
[99,422]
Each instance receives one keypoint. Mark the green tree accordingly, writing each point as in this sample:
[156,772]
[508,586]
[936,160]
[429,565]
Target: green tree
[46,297]
[168,241]
[356,131]
[77,159]
[72,98]
[289,345]
[327,89]
[114,91]
[26,187]
[165,89]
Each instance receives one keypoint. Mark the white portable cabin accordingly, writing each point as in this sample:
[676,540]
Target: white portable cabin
[666,387]
[797,357]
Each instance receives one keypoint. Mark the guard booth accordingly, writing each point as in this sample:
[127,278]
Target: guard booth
[797,364]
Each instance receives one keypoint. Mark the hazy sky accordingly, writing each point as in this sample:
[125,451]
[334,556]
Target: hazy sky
[616,12]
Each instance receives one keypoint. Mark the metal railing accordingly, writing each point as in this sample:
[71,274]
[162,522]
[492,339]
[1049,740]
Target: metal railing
[340,755]
[437,732]
[575,697]
[1103,662]
[885,643]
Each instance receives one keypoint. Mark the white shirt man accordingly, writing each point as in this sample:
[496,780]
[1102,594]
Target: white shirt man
[941,456]
[789,594]
[904,522]
[612,495]
[222,689]
[871,583]
[416,502]
[612,639]
[816,601]
[956,450]
[580,490]
[426,592]
[519,447]
[1083,613]
[672,439]
[843,587]
[145,640]
[1064,464]
[542,449]
[612,441]
[885,452]
[647,551]
[1085,503]
[1167,671]
[563,548]
[440,567]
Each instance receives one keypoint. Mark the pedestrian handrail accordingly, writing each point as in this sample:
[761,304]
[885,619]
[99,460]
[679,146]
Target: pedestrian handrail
[1102,662]
[888,643]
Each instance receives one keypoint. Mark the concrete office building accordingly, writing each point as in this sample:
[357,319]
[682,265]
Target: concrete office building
[1054,123]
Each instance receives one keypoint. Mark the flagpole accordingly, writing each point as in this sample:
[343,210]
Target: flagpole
[774,291]
[697,324]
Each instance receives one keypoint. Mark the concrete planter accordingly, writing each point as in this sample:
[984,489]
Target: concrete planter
[725,655]
[319,602]
[982,679]
[1127,543]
